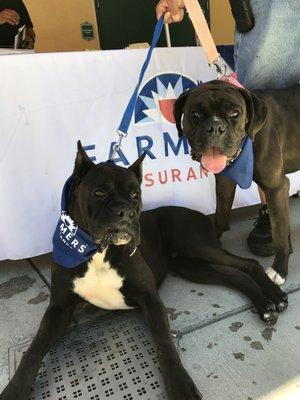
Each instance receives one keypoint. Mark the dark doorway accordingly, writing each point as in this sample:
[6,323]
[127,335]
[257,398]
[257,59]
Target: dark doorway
[123,22]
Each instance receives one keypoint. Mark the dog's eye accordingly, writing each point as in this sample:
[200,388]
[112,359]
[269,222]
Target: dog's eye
[98,193]
[234,114]
[196,115]
[134,194]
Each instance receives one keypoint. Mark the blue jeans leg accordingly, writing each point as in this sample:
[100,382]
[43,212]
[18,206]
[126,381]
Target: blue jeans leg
[269,55]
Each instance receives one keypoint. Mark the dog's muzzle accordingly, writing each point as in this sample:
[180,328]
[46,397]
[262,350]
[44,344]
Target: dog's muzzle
[214,127]
[117,234]
[213,145]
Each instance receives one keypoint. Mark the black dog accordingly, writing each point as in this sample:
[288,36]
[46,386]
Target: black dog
[217,117]
[105,201]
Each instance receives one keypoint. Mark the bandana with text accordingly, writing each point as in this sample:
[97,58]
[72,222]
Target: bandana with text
[71,244]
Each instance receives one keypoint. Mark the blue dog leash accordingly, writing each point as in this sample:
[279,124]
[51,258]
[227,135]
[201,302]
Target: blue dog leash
[127,116]
[71,244]
[125,122]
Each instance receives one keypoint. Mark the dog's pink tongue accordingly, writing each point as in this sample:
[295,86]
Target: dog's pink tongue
[213,160]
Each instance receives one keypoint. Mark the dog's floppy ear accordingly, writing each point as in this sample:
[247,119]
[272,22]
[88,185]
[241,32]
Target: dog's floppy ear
[82,162]
[178,110]
[256,112]
[136,167]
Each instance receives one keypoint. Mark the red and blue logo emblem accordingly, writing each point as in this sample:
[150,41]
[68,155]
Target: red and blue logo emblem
[156,99]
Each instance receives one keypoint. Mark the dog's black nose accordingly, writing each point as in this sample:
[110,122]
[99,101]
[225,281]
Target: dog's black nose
[123,212]
[215,126]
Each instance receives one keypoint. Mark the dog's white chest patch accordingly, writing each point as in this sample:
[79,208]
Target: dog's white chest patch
[101,285]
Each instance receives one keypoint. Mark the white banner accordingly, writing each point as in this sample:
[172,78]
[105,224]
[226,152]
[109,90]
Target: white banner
[49,101]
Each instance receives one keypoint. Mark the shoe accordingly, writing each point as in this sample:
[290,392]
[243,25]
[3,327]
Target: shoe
[260,241]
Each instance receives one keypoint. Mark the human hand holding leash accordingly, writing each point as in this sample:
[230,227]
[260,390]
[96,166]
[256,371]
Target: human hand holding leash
[173,10]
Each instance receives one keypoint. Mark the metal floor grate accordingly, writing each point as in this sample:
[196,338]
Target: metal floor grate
[111,358]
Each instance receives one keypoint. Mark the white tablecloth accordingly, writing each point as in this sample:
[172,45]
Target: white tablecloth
[49,101]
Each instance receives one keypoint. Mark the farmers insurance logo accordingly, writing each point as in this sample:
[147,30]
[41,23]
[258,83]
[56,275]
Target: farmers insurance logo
[67,224]
[156,99]
[68,233]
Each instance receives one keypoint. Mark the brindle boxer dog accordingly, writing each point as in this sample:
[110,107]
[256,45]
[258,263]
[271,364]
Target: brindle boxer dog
[105,201]
[216,118]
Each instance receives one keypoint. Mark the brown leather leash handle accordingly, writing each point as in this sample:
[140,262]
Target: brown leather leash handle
[202,30]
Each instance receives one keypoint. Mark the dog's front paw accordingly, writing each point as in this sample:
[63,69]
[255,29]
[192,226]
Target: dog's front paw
[180,386]
[269,314]
[281,303]
[275,276]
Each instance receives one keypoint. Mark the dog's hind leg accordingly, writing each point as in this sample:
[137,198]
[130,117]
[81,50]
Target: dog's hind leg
[53,325]
[199,271]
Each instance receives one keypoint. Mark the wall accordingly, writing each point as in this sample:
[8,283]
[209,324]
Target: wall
[222,22]
[57,24]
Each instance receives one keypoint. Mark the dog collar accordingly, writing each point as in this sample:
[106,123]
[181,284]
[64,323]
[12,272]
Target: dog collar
[71,244]
[240,169]
[235,156]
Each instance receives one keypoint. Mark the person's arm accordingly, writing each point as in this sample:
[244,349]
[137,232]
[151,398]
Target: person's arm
[242,13]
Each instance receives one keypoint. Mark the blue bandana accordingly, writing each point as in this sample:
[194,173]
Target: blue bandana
[71,245]
[241,169]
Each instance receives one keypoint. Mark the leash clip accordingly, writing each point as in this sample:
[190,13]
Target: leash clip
[220,67]
[118,145]
[122,134]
